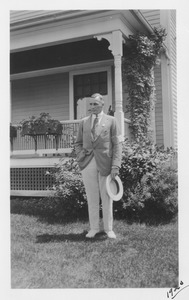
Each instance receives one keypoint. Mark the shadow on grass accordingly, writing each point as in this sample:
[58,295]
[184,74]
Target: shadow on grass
[71,237]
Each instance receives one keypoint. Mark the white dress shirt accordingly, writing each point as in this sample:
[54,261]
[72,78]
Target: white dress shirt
[94,117]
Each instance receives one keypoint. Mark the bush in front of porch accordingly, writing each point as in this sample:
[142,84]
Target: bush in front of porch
[149,176]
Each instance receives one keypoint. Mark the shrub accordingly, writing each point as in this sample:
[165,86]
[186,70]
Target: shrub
[150,184]
[69,191]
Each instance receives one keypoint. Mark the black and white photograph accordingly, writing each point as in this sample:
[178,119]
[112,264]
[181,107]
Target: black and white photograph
[96,203]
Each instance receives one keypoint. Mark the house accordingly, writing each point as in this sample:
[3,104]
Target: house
[59,57]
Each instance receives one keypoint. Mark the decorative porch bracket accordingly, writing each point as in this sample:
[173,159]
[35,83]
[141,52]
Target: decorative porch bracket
[116,40]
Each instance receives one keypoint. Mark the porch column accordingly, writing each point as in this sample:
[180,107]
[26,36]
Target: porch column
[117,51]
[115,39]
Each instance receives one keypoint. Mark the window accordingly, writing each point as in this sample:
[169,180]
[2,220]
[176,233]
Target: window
[87,84]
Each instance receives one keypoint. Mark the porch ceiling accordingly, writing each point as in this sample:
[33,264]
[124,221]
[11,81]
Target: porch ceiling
[74,53]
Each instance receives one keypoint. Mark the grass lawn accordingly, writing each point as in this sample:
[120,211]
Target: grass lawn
[59,256]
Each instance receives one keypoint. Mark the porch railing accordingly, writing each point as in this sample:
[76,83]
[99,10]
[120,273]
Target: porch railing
[26,144]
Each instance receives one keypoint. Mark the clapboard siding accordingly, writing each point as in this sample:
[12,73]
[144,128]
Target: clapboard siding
[158,106]
[48,94]
[154,19]
[173,71]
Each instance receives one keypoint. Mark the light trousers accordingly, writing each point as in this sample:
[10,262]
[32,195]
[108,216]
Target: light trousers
[95,186]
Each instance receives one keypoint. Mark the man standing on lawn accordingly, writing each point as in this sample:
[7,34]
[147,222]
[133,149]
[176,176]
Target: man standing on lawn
[98,148]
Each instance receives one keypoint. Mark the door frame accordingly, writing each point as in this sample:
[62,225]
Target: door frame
[88,71]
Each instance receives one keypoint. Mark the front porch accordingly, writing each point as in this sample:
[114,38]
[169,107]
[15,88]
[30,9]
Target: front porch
[58,58]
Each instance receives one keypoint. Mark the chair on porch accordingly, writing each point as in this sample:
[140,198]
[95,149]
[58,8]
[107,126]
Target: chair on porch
[83,108]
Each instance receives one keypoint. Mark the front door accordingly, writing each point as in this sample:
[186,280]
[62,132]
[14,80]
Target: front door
[87,84]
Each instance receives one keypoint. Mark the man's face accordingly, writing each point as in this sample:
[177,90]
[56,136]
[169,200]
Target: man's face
[95,106]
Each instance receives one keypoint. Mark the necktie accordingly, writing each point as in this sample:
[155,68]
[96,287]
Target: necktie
[95,126]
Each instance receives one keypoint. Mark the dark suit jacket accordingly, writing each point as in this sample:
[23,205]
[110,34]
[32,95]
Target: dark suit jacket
[106,148]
